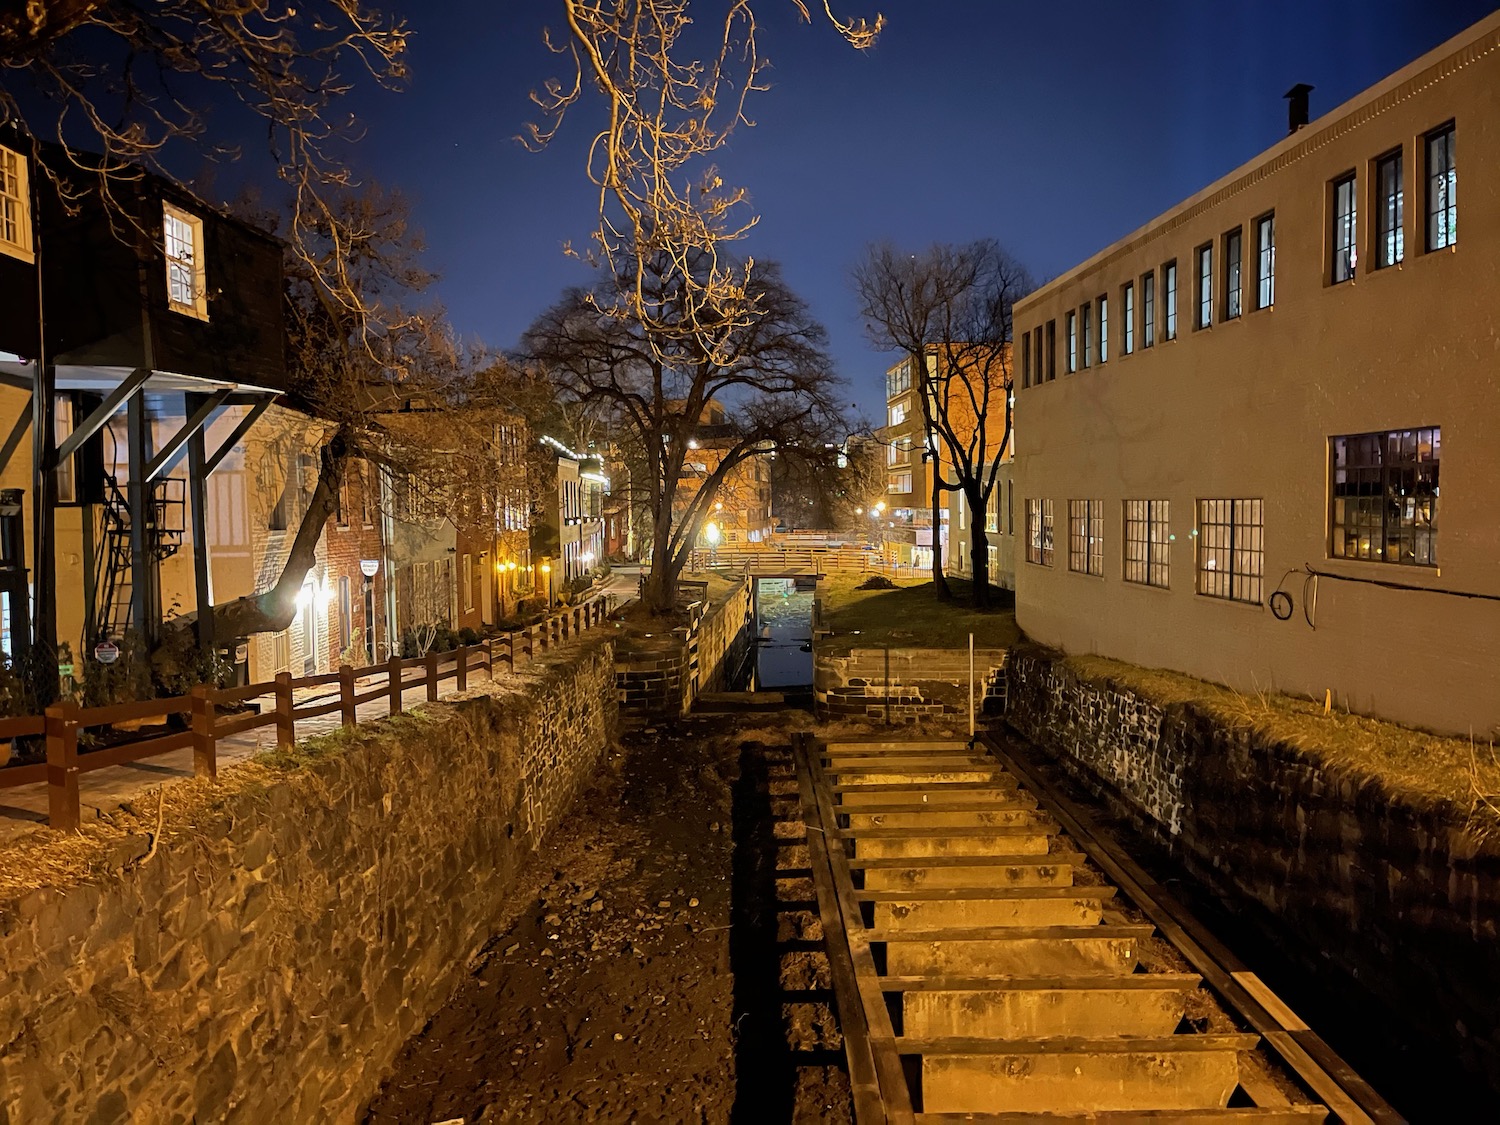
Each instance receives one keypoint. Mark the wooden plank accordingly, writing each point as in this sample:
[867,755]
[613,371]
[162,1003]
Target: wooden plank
[12,776]
[241,694]
[865,1071]
[317,711]
[22,726]
[134,751]
[239,724]
[127,712]
[1350,1103]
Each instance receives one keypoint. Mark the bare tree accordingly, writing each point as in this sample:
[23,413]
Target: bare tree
[764,362]
[948,309]
[130,79]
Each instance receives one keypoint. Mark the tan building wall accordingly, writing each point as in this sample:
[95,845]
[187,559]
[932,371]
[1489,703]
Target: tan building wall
[1247,408]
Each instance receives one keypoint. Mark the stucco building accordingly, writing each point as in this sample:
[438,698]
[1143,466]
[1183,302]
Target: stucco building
[1236,415]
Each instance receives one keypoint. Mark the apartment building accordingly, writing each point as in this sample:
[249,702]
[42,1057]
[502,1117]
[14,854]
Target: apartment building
[1236,416]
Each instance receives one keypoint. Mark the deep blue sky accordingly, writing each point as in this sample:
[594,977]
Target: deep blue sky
[1056,128]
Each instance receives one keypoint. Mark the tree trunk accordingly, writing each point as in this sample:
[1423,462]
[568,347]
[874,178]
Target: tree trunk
[660,594]
[273,610]
[979,554]
[939,582]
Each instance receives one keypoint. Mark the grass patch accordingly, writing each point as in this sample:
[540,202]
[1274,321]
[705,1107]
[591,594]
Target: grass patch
[910,616]
[1461,771]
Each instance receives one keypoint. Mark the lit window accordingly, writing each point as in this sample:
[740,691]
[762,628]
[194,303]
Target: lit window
[1390,204]
[1104,329]
[1148,310]
[1127,311]
[1086,536]
[15,206]
[1345,253]
[1205,268]
[1039,532]
[1385,496]
[1231,549]
[898,413]
[182,240]
[1148,544]
[1232,246]
[1265,261]
[1169,299]
[1442,189]
[1088,333]
[1072,342]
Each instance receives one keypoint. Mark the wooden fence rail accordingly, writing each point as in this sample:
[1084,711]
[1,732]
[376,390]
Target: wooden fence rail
[204,724]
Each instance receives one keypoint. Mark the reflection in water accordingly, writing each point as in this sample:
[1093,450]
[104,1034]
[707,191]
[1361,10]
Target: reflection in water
[783,656]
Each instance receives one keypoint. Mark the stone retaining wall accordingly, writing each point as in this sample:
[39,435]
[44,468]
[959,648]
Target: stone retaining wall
[1392,890]
[922,683]
[298,921]
[665,676]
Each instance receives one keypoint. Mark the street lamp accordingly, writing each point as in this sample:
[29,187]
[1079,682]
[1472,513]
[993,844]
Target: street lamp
[711,537]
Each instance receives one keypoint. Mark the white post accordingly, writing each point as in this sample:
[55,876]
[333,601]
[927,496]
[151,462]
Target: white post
[971,686]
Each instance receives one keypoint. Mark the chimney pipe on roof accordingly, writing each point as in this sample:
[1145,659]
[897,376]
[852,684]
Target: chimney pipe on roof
[1296,109]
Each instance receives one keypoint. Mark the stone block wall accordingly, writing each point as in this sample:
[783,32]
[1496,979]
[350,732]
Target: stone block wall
[923,683]
[1395,891]
[666,678]
[296,922]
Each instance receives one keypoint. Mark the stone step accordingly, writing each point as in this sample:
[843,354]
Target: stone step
[996,791]
[973,817]
[861,749]
[910,761]
[1007,1007]
[1016,950]
[1055,869]
[1001,799]
[885,843]
[970,907]
[1075,1075]
[1227,1115]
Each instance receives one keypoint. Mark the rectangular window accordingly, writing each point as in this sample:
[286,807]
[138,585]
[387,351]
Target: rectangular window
[900,482]
[1231,550]
[1265,261]
[1343,234]
[1148,544]
[897,413]
[1127,318]
[1086,536]
[15,206]
[1026,359]
[898,381]
[1072,342]
[1148,310]
[1169,300]
[346,616]
[1442,189]
[1088,333]
[1232,246]
[1104,329]
[182,243]
[1385,496]
[1039,532]
[1204,271]
[1052,349]
[1010,509]
[1390,205]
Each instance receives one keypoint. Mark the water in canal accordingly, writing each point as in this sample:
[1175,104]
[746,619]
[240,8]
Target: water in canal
[782,658]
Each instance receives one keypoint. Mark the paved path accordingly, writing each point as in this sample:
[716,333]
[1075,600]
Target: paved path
[24,808]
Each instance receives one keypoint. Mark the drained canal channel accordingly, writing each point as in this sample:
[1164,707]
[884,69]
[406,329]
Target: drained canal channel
[753,918]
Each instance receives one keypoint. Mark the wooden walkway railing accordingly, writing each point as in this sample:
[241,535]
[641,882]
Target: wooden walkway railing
[63,722]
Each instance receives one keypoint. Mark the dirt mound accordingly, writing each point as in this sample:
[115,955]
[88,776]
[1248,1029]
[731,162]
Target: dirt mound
[876,582]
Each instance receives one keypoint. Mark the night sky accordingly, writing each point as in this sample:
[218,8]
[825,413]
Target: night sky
[1055,128]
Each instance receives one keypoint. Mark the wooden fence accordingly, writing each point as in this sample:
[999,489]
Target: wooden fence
[205,725]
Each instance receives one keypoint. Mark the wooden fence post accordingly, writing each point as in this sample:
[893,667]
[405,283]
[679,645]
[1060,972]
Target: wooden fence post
[205,742]
[286,722]
[62,766]
[346,696]
[393,676]
[463,667]
[432,676]
[491,643]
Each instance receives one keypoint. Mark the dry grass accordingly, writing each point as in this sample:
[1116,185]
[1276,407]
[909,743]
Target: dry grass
[1463,772]
[909,616]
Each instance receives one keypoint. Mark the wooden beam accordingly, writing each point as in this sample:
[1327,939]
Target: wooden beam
[106,409]
[239,432]
[17,432]
[173,449]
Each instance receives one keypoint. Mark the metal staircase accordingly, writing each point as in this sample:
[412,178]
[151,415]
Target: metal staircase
[113,562]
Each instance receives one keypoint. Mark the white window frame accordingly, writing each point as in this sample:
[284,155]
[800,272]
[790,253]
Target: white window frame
[182,259]
[15,206]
